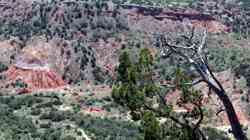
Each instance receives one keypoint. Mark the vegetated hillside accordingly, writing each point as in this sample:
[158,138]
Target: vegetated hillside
[72,48]
[57,116]
[64,19]
[160,3]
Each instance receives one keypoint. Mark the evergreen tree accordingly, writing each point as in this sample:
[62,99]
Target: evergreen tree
[136,89]
[125,64]
[151,126]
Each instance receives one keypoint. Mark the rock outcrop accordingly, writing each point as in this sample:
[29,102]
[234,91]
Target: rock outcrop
[35,78]
[164,20]
[38,65]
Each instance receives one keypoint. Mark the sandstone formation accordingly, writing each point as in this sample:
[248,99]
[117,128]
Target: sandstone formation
[38,65]
[35,79]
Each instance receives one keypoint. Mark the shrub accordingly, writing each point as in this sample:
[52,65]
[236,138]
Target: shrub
[55,116]
[151,127]
[52,134]
[3,67]
[19,84]
[57,102]
[214,134]
[46,105]
[79,133]
[69,137]
[35,111]
[76,108]
[45,125]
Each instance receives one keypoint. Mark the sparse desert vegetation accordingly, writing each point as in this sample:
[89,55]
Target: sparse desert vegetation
[124,70]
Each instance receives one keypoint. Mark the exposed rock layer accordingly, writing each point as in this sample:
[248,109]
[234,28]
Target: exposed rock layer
[35,79]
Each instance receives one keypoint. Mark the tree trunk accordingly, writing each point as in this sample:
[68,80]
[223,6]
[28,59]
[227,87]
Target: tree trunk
[232,116]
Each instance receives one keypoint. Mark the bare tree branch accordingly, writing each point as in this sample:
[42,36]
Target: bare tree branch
[199,61]
[218,112]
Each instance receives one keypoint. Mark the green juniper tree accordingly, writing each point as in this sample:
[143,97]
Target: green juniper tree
[151,126]
[136,89]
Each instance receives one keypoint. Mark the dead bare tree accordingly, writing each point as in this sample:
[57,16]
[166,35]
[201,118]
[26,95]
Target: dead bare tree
[192,52]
